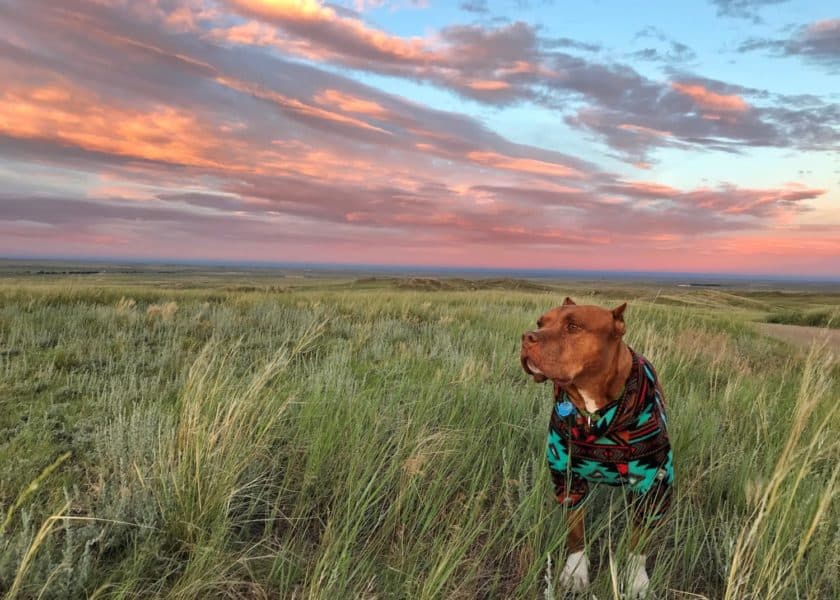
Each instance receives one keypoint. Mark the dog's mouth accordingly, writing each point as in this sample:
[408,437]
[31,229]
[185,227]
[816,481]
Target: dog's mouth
[532,368]
[540,376]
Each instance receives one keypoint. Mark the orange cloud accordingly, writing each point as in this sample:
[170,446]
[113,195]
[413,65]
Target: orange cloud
[358,37]
[709,100]
[488,85]
[319,164]
[824,26]
[648,189]
[253,33]
[350,103]
[75,116]
[644,130]
[295,105]
[256,33]
[519,67]
[305,10]
[774,198]
[318,32]
[527,165]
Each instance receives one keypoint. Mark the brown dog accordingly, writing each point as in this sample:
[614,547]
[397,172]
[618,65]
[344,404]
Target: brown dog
[608,424]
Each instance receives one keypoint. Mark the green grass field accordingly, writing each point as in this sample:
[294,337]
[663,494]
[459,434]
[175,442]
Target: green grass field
[198,436]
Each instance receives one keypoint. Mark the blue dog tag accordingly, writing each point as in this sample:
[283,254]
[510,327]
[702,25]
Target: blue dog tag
[564,409]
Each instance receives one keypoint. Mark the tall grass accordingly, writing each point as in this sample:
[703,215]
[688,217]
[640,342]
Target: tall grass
[382,444]
[810,318]
[786,514]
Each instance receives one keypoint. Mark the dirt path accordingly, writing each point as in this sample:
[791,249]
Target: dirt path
[803,336]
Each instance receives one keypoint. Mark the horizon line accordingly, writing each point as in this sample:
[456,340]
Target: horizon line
[540,272]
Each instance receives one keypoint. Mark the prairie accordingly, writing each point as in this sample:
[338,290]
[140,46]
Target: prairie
[202,435]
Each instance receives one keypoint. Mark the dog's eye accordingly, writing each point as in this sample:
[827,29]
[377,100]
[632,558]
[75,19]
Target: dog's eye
[539,323]
[572,327]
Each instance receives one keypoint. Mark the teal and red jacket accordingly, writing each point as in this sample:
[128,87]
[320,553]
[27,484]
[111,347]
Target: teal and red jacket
[623,443]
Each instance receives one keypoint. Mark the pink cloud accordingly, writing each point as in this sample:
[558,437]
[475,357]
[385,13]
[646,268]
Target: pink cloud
[349,103]
[72,115]
[644,189]
[312,19]
[648,131]
[488,85]
[711,101]
[296,106]
[526,165]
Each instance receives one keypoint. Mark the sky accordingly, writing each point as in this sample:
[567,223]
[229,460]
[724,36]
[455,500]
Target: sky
[696,136]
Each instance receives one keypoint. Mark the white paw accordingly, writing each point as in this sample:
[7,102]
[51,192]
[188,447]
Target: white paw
[575,574]
[637,577]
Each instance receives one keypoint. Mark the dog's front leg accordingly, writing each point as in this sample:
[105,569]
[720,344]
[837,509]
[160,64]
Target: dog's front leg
[638,581]
[576,572]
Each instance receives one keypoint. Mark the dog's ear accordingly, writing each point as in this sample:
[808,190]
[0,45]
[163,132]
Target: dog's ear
[568,302]
[618,319]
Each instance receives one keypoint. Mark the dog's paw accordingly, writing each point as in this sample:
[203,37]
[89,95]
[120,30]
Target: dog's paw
[575,574]
[637,578]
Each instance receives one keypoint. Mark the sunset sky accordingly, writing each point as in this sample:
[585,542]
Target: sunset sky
[698,136]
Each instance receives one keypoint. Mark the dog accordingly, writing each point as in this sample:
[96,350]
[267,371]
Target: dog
[608,425]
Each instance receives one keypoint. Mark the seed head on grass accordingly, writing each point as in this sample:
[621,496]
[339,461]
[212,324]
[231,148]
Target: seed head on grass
[165,312]
[125,306]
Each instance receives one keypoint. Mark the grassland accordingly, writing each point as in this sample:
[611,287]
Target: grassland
[241,436]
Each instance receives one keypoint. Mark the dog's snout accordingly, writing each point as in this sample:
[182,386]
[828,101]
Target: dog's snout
[530,337]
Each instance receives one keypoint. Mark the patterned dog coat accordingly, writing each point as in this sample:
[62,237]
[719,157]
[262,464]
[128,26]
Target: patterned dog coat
[624,443]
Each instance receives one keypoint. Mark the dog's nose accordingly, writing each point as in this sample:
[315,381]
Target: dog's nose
[529,337]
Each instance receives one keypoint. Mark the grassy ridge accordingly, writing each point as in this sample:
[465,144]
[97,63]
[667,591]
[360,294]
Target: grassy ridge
[810,318]
[376,443]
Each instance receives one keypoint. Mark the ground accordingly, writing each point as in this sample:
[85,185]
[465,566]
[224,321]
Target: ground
[804,336]
[196,433]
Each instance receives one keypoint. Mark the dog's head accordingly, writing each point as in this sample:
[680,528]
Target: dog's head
[571,341]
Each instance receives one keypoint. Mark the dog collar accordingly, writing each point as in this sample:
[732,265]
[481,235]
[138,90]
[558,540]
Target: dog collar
[566,408]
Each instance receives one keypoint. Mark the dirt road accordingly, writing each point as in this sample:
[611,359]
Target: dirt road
[803,336]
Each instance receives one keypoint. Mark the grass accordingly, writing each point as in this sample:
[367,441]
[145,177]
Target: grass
[377,439]
[810,318]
